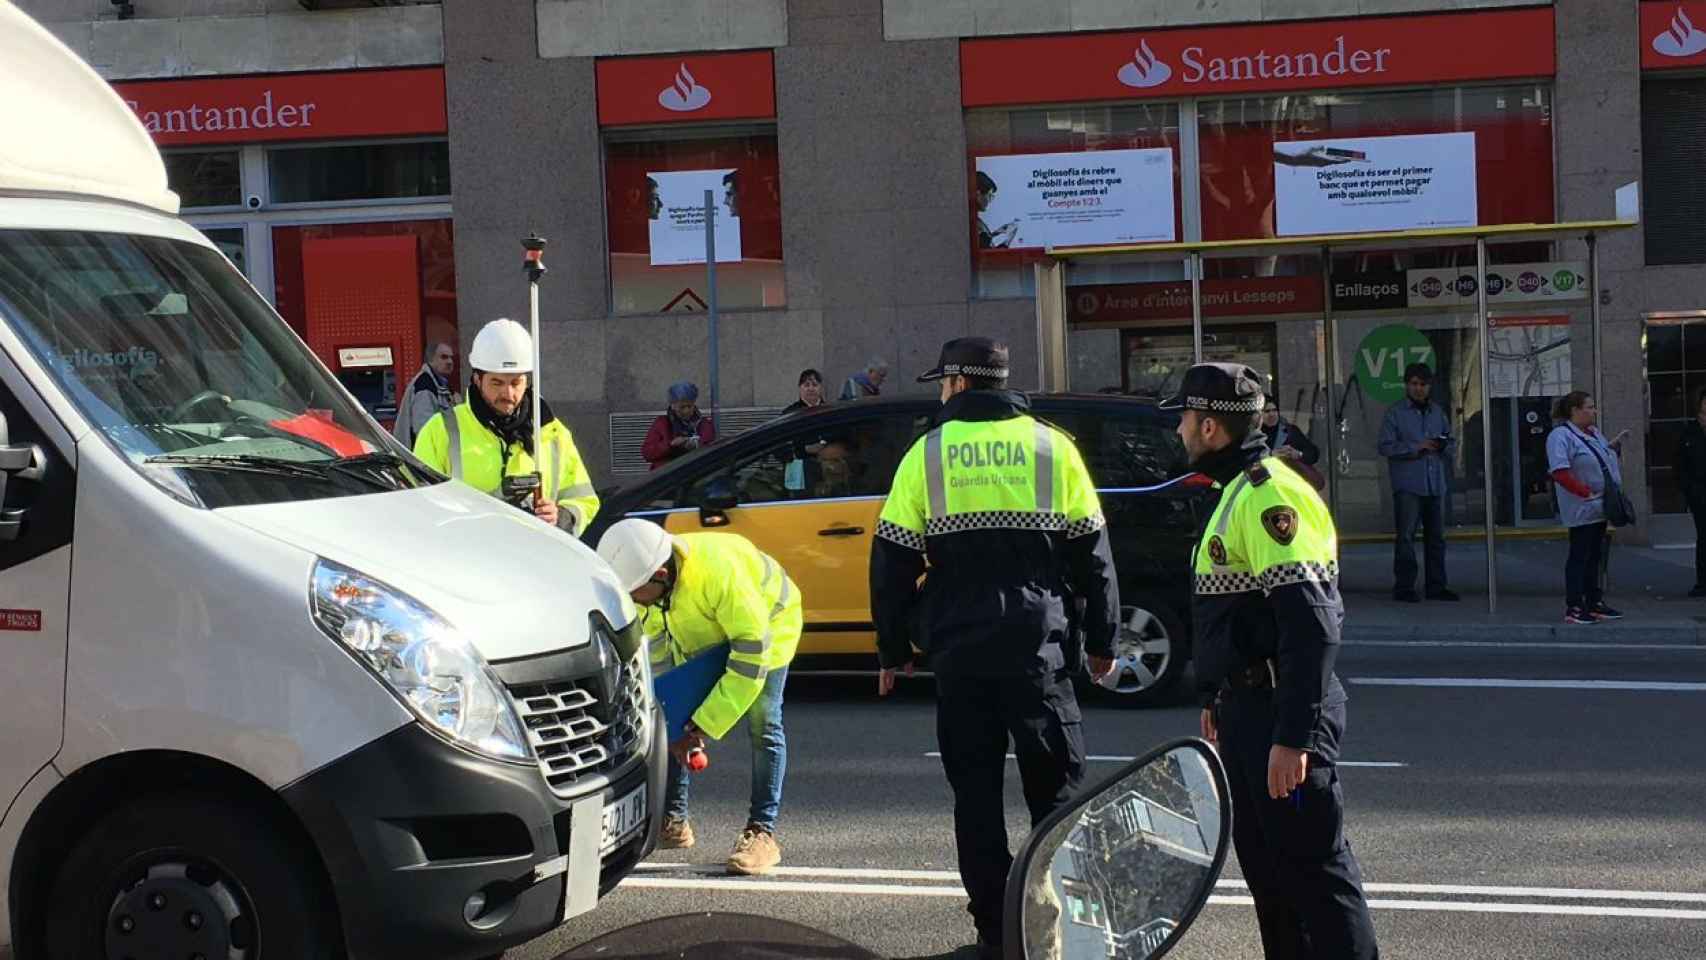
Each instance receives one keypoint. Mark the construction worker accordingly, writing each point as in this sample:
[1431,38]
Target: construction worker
[1267,613]
[700,590]
[487,440]
[1002,507]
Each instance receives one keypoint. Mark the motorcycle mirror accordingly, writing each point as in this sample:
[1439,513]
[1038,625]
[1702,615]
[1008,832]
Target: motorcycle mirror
[1123,871]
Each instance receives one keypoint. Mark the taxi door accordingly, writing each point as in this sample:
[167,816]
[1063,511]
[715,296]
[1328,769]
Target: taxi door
[811,501]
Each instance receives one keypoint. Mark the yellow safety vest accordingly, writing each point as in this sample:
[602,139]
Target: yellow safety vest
[726,591]
[456,443]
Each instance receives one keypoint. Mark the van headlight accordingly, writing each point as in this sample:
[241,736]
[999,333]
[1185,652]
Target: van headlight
[424,660]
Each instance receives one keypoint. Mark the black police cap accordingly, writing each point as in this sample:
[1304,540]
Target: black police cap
[1218,388]
[969,357]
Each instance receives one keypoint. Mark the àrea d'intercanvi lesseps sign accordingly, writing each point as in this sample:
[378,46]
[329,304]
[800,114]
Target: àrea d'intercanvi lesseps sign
[1311,55]
[293,106]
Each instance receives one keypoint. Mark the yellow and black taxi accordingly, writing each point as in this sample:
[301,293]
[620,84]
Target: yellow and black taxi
[807,487]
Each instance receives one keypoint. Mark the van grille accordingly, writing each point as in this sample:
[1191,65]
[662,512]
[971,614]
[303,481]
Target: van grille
[577,735]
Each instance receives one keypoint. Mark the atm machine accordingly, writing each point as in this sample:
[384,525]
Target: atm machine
[369,372]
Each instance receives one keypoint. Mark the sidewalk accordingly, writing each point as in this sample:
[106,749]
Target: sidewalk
[1649,585]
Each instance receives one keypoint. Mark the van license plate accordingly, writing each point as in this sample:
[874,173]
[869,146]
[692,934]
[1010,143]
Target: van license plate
[623,819]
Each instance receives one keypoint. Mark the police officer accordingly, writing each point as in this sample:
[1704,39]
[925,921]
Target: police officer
[489,437]
[1001,505]
[1267,615]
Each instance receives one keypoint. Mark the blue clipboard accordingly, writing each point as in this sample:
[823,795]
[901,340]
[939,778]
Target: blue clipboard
[684,687]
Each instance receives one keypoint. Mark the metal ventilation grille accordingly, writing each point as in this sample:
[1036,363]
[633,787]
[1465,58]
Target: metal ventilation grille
[573,734]
[628,434]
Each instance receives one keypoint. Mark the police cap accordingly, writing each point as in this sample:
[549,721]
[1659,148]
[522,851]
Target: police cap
[969,357]
[1218,388]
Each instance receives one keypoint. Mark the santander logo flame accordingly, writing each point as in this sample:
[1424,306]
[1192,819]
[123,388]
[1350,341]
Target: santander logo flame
[1681,38]
[684,93]
[1145,68]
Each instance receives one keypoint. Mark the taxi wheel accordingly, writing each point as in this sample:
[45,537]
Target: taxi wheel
[183,875]
[1149,656]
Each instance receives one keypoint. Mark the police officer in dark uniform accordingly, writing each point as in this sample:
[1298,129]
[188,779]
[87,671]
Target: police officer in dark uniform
[1001,505]
[1267,614]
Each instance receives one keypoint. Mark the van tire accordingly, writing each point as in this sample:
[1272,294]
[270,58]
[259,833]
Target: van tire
[1150,652]
[171,867]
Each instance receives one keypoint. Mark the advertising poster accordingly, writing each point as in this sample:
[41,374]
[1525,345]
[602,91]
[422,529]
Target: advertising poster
[1072,199]
[1506,283]
[676,209]
[1373,184]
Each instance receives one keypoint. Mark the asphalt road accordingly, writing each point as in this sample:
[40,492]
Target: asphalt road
[1556,819]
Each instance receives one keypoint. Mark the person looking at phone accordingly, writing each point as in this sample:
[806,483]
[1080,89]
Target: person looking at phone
[1416,440]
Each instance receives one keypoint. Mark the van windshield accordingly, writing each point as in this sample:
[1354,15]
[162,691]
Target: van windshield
[176,360]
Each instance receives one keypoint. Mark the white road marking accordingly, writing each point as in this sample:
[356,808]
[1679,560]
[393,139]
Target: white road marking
[854,873]
[1499,683]
[735,885]
[1110,758]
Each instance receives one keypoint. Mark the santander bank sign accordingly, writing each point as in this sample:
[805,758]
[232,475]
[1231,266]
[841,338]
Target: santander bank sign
[1297,55]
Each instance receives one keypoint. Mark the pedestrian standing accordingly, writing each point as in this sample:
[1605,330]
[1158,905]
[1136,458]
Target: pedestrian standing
[428,394]
[811,392]
[1583,466]
[1691,477]
[698,591]
[1288,442]
[487,440]
[1267,611]
[1001,506]
[1416,440]
[681,429]
[867,382]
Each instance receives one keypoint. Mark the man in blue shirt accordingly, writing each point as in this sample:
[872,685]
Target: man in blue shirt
[1416,440]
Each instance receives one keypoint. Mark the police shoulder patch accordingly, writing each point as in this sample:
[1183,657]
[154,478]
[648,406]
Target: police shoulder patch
[1281,523]
[1217,550]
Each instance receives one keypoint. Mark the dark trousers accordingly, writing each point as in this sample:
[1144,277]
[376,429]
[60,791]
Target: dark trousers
[1299,866]
[1583,585]
[1698,508]
[975,717]
[1412,510]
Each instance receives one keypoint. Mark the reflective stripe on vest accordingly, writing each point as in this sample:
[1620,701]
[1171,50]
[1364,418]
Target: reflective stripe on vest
[453,437]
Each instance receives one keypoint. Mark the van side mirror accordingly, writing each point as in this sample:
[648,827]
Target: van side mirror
[718,500]
[1124,870]
[20,460]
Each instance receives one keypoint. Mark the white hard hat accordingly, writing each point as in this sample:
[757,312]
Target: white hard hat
[635,549]
[502,346]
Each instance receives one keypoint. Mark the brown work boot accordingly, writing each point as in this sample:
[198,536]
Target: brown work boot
[677,834]
[756,853]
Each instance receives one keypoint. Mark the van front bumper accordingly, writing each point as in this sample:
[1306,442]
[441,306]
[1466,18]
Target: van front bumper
[433,851]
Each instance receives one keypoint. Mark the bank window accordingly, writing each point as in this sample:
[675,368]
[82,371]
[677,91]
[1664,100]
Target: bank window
[1002,264]
[205,178]
[375,171]
[1673,152]
[655,182]
[1676,377]
[1512,125]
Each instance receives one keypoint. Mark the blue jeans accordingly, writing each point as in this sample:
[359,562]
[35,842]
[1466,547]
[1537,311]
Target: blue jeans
[769,760]
[1412,510]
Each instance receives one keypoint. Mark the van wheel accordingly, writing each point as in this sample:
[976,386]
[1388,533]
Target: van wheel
[1149,656]
[178,875]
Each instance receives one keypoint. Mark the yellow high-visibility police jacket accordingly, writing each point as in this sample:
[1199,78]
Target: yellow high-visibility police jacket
[726,591]
[458,444]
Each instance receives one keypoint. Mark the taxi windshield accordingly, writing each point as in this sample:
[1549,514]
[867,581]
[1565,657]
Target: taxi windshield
[175,359]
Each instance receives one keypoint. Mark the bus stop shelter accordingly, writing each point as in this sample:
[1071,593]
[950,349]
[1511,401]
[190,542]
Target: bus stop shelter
[1052,306]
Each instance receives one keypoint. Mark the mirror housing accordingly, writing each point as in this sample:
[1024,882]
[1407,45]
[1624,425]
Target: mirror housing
[1122,871]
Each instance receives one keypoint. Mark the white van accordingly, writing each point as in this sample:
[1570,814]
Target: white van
[268,686]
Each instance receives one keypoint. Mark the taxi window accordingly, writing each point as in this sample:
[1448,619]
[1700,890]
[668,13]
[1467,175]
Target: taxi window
[855,459]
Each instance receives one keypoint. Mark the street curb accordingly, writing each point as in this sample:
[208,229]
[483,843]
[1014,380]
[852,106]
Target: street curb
[1636,632]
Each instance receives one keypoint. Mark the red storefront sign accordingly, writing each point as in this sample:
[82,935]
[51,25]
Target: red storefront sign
[687,88]
[290,106]
[1371,51]
[1171,300]
[1673,34]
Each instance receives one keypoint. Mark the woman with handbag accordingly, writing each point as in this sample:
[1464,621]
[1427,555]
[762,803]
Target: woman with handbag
[1589,484]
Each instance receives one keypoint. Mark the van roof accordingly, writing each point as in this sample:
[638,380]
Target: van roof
[66,130]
